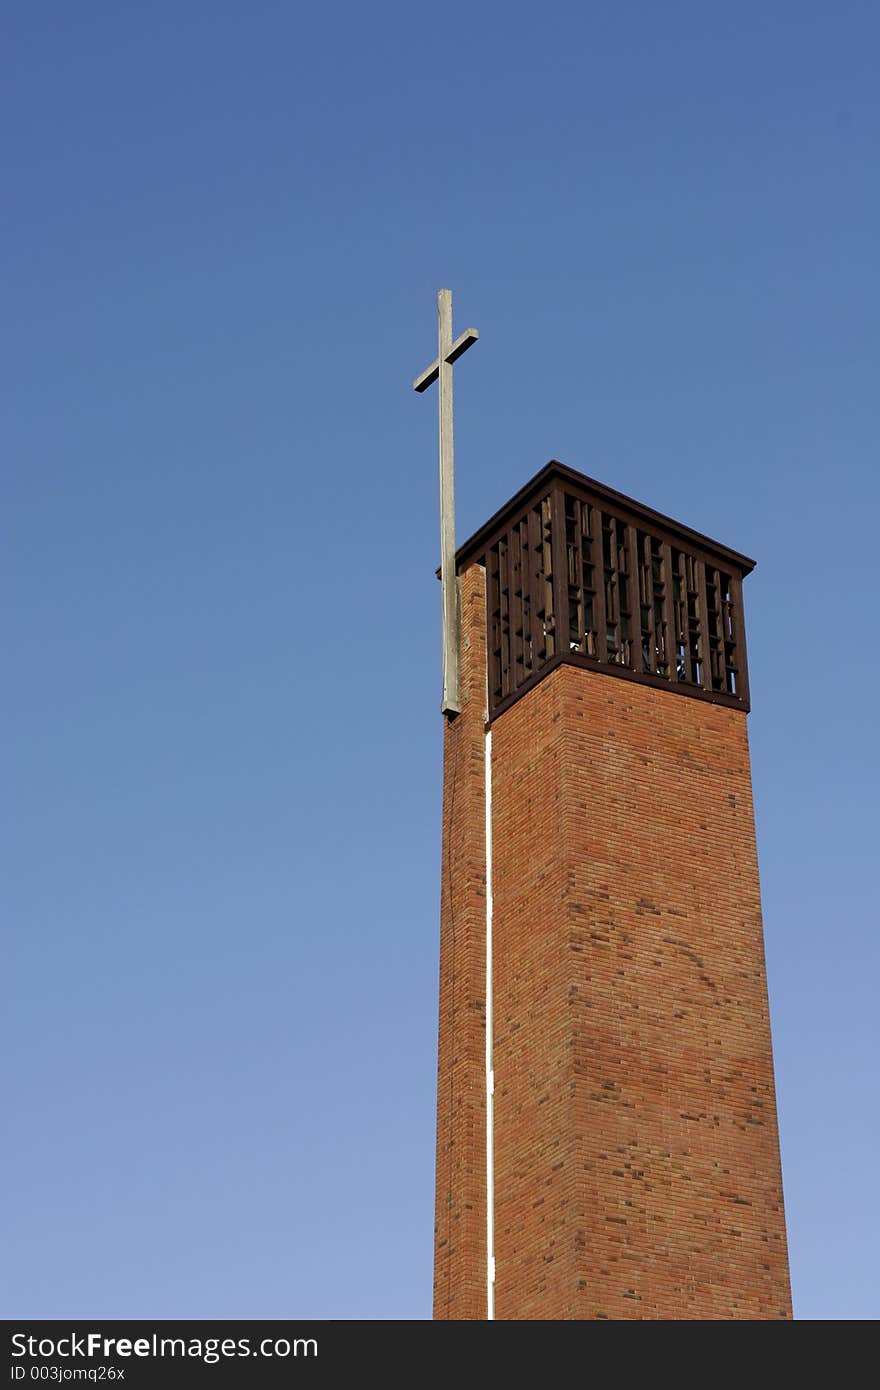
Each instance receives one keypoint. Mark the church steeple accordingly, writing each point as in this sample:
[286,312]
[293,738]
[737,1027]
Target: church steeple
[606,1121]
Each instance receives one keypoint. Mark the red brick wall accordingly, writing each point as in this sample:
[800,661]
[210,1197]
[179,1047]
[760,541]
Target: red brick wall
[636,1153]
[460,1210]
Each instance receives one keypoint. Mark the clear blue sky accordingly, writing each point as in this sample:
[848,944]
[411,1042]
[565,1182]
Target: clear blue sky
[224,228]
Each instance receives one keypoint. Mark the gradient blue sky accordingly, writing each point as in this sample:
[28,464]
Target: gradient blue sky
[224,228]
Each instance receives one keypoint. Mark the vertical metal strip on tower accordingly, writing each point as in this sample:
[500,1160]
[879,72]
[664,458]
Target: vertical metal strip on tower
[490,1064]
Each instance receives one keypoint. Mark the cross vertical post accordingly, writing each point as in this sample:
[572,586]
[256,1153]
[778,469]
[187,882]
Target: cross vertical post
[440,371]
[451,615]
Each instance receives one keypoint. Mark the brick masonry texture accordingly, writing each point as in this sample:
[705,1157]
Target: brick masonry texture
[637,1164]
[460,1211]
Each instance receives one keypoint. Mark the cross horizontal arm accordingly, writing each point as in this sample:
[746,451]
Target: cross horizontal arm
[430,374]
[461,345]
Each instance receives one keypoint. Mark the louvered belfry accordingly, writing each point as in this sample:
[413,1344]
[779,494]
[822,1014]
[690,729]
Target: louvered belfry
[578,573]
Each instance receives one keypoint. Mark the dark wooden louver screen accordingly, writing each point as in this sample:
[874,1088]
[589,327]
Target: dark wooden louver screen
[573,579]
[520,601]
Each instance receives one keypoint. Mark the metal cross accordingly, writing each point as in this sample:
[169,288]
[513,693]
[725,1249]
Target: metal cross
[441,370]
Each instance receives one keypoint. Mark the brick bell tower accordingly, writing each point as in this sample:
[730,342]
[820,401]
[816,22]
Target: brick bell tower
[606,1121]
